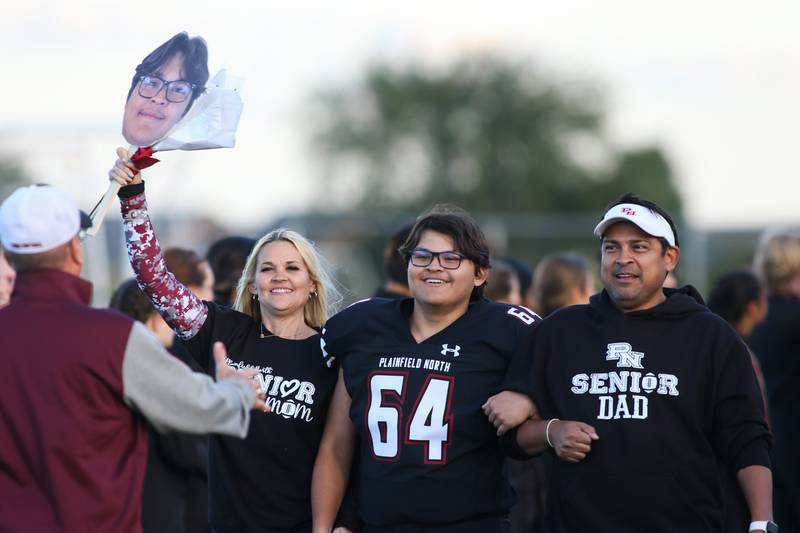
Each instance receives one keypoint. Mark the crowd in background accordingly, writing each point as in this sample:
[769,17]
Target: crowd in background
[761,303]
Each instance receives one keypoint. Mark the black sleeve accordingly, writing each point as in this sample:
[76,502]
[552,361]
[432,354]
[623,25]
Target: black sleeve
[741,435]
[510,447]
[518,377]
[327,343]
[129,191]
[340,330]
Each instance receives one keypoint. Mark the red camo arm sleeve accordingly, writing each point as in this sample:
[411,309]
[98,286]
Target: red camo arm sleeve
[181,309]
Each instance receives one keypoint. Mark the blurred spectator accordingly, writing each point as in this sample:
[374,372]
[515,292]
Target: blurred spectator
[196,274]
[560,280]
[741,300]
[227,258]
[129,299]
[175,491]
[525,278]
[192,271]
[776,343]
[7,277]
[394,267]
[502,286]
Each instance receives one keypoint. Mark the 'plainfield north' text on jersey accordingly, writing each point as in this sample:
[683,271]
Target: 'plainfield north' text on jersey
[429,456]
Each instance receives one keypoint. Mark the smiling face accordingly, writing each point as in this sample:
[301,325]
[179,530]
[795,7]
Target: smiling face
[147,120]
[282,281]
[437,286]
[634,266]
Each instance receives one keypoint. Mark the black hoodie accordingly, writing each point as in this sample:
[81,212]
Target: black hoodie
[670,391]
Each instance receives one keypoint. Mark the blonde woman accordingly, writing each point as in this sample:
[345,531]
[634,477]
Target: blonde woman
[261,483]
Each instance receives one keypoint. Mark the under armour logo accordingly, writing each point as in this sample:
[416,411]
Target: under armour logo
[446,349]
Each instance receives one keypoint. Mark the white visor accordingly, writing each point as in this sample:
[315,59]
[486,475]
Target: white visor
[648,221]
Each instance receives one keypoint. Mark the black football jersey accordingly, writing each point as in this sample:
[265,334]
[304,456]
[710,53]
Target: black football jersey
[428,453]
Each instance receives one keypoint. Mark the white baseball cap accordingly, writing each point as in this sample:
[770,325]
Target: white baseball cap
[38,218]
[645,218]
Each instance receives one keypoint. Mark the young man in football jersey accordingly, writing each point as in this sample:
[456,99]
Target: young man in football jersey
[414,376]
[658,391]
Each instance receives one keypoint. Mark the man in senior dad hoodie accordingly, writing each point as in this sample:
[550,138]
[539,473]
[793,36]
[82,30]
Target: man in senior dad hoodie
[641,393]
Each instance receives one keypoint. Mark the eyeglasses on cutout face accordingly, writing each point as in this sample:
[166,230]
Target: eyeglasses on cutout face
[177,91]
[449,260]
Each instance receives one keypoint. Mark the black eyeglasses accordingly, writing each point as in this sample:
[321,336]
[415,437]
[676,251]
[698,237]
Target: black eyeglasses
[449,260]
[177,91]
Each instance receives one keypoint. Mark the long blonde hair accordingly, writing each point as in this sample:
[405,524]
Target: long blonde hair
[777,259]
[319,307]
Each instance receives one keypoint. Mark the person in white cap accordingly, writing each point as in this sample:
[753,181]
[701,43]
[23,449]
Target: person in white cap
[78,383]
[643,393]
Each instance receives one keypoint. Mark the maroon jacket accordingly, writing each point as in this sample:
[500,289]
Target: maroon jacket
[72,454]
[72,380]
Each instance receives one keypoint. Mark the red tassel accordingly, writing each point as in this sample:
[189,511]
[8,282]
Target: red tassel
[142,159]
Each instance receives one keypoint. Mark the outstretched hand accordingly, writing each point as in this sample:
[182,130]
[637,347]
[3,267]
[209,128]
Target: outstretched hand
[248,375]
[123,171]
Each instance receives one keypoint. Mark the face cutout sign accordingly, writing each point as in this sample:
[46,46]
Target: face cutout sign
[163,89]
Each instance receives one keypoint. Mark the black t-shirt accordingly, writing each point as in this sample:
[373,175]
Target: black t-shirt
[429,456]
[263,483]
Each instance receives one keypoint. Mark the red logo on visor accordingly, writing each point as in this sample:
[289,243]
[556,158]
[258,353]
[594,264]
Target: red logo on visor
[628,211]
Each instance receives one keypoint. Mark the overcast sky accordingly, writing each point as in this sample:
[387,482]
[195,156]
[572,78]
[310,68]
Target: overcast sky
[715,83]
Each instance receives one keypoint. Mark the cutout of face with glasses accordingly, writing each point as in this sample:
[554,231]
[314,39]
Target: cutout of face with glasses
[157,103]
